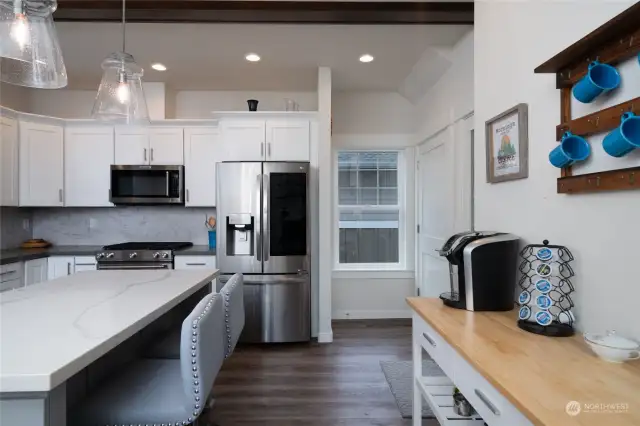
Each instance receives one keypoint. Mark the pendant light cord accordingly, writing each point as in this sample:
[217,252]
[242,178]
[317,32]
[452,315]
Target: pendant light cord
[124,25]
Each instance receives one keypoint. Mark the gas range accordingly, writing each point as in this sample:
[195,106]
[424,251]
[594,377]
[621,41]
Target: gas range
[139,255]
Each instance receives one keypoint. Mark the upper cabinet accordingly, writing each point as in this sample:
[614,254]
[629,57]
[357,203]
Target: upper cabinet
[266,140]
[166,146]
[202,150]
[88,156]
[41,164]
[132,145]
[244,140]
[287,140]
[142,145]
[8,162]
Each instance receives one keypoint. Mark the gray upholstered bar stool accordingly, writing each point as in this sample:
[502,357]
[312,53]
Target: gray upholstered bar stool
[164,391]
[233,293]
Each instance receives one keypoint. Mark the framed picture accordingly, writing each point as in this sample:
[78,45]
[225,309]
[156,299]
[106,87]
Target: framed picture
[507,140]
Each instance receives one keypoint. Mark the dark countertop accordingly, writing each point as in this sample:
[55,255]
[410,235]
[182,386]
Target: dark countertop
[201,250]
[22,255]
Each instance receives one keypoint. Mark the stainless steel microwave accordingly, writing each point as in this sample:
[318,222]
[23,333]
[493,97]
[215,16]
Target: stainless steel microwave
[147,185]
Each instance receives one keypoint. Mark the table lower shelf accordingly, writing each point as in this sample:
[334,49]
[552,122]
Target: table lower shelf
[438,391]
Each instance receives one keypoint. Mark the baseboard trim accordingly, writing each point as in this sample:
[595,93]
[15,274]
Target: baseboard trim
[325,337]
[371,314]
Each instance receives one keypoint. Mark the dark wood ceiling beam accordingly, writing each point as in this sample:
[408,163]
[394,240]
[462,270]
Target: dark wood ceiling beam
[281,12]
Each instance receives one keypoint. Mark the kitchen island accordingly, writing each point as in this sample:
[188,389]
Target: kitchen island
[53,330]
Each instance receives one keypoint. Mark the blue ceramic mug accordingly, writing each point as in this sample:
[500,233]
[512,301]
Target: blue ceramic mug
[625,138]
[572,148]
[599,79]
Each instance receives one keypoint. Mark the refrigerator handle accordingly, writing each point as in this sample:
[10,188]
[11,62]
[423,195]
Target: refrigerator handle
[266,222]
[257,215]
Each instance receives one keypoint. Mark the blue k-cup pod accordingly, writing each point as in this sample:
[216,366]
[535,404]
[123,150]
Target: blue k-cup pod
[524,297]
[543,286]
[524,313]
[544,254]
[544,318]
[543,301]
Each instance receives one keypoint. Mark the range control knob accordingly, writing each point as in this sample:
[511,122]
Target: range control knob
[165,255]
[110,255]
[99,255]
[156,255]
[133,255]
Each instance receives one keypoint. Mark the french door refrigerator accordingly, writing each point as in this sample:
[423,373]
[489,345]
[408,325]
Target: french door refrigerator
[263,232]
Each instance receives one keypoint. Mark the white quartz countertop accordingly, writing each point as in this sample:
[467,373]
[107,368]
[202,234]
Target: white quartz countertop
[52,330]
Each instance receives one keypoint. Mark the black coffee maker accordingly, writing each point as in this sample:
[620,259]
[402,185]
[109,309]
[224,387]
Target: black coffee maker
[482,271]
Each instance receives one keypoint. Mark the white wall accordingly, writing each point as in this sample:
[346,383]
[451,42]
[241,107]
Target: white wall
[199,104]
[451,97]
[14,97]
[371,113]
[601,230]
[162,102]
[375,120]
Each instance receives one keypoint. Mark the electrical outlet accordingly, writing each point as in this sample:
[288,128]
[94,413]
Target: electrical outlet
[93,223]
[26,224]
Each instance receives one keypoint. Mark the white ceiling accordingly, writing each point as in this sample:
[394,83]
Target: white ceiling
[211,57]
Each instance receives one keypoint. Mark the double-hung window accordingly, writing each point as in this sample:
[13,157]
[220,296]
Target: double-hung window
[370,210]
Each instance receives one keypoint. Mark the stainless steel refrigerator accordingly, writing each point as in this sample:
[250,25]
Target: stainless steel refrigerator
[264,232]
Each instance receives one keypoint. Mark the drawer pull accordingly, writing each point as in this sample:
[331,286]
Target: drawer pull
[487,402]
[429,339]
[196,264]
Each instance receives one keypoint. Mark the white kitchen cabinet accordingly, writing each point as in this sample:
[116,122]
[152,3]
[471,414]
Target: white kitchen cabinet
[8,162]
[202,150]
[88,156]
[166,146]
[35,271]
[11,276]
[244,140]
[41,164]
[195,262]
[131,145]
[84,263]
[60,266]
[287,140]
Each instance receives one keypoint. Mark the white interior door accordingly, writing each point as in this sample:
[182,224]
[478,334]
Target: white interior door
[8,162]
[444,201]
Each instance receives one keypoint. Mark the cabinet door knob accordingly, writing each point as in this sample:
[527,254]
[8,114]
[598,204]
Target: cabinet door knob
[145,154]
[269,149]
[151,154]
[262,149]
[60,195]
[187,195]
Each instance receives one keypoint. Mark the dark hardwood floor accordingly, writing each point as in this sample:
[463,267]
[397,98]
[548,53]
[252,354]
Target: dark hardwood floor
[315,384]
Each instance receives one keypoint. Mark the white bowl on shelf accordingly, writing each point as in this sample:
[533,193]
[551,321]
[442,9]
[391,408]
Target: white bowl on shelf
[611,347]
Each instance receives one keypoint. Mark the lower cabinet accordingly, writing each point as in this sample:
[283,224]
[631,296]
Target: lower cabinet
[35,271]
[85,263]
[60,266]
[11,276]
[195,262]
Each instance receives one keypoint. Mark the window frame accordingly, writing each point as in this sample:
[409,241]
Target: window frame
[401,265]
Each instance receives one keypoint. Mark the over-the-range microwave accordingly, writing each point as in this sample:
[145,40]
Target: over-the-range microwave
[144,184]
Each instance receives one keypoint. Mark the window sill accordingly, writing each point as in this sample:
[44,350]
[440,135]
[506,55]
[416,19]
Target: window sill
[374,274]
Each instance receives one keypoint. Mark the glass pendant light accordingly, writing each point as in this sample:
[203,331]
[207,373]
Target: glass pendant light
[30,53]
[120,97]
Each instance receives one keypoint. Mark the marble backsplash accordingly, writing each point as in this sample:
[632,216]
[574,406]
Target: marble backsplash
[101,226]
[12,232]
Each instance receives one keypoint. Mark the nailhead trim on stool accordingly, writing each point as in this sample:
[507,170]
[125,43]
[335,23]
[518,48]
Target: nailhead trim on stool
[194,362]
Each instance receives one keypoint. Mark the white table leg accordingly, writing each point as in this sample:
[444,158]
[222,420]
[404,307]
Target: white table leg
[417,373]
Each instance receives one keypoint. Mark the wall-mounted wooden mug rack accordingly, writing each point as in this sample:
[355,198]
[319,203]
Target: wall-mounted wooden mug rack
[614,42]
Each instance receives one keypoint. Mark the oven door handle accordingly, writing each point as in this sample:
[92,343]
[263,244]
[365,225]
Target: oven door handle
[139,267]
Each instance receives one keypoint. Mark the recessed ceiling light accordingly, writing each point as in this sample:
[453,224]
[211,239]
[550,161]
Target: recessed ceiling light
[252,57]
[158,67]
[366,58]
